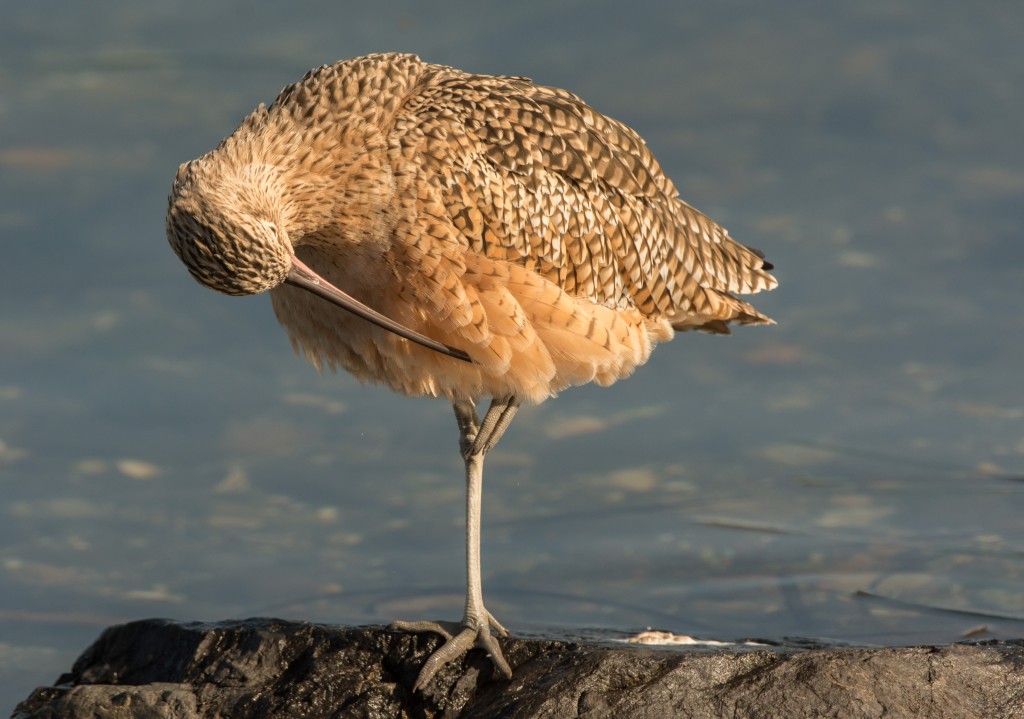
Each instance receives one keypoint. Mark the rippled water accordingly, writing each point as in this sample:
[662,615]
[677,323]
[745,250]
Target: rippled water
[853,473]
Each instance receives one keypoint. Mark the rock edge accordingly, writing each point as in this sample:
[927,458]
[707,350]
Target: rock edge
[271,668]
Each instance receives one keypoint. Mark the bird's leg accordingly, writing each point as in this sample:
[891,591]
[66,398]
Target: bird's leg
[476,438]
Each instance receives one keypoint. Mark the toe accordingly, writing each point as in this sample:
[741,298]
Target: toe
[486,641]
[452,649]
[496,625]
[445,629]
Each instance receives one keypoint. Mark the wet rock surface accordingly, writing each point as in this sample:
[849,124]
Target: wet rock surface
[270,668]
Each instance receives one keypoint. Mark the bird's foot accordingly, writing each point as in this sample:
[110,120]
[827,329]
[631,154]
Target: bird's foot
[459,639]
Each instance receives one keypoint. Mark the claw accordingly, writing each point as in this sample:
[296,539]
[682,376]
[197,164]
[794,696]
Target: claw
[459,639]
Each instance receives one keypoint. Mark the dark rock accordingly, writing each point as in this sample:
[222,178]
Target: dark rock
[268,668]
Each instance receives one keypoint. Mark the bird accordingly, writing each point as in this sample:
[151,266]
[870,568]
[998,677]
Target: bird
[459,236]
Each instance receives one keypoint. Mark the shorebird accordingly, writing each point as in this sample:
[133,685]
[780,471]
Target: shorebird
[460,236]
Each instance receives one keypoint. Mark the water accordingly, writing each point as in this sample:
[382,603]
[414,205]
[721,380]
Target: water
[853,473]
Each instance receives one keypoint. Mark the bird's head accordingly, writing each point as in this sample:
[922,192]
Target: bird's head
[227,232]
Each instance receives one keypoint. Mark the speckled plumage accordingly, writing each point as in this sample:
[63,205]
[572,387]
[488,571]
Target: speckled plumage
[509,222]
[500,217]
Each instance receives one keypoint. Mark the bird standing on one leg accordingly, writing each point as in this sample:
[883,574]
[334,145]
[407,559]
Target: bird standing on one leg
[503,239]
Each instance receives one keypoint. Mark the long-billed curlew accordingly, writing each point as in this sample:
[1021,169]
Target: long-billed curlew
[510,240]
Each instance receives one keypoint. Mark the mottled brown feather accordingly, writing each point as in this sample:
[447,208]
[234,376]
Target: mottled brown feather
[504,218]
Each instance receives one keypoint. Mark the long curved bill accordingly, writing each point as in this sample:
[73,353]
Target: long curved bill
[300,275]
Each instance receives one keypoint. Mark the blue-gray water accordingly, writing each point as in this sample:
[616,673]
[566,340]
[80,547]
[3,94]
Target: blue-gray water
[854,472]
